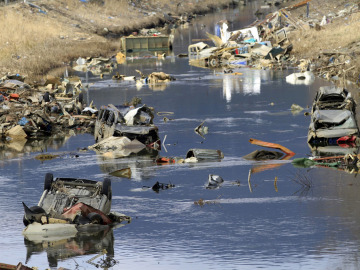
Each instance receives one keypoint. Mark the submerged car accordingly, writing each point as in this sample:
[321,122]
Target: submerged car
[333,116]
[332,124]
[333,98]
[133,123]
[71,205]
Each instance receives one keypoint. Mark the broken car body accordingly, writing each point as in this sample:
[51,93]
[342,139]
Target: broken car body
[133,123]
[333,116]
[71,205]
[332,97]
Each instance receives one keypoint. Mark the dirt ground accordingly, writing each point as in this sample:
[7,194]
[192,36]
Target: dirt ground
[41,38]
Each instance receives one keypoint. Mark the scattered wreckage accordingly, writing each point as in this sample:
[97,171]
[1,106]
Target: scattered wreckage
[264,156]
[127,121]
[265,44]
[97,66]
[349,163]
[54,108]
[192,156]
[69,206]
[245,47]
[214,181]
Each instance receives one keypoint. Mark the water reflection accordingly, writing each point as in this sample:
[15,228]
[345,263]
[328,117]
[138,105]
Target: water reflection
[248,84]
[19,148]
[138,164]
[269,227]
[59,249]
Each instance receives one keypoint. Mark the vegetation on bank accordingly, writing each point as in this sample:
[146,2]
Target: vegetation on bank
[36,39]
[333,48]
[43,37]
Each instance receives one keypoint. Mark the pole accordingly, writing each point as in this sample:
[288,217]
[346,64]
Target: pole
[307,9]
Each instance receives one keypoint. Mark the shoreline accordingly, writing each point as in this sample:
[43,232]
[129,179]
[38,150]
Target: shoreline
[52,34]
[55,33]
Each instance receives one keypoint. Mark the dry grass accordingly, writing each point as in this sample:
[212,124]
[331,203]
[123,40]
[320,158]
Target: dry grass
[341,35]
[33,43]
[334,36]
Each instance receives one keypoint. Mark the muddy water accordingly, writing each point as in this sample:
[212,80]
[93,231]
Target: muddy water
[244,225]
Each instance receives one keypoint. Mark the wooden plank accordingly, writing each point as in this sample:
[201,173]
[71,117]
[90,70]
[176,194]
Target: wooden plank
[300,4]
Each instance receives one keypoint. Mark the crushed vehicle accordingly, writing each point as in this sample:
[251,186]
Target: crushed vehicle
[331,124]
[333,117]
[71,205]
[333,131]
[332,97]
[133,123]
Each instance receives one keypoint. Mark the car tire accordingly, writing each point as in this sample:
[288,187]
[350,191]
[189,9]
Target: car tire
[106,188]
[49,178]
[95,218]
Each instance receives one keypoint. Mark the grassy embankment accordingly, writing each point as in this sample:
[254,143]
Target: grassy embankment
[341,36]
[33,43]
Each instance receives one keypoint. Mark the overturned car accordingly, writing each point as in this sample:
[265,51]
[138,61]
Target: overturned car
[71,205]
[133,123]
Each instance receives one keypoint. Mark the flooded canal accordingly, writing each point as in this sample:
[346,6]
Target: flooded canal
[269,222]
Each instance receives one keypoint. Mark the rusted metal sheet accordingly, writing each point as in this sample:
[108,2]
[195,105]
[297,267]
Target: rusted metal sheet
[145,43]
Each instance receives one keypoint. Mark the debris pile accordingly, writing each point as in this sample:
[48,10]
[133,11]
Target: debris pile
[28,112]
[97,66]
[252,47]
[266,44]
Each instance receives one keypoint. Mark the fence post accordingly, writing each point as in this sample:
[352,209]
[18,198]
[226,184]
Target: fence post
[307,9]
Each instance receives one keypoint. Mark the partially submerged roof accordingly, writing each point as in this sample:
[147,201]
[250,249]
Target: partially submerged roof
[333,116]
[326,91]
